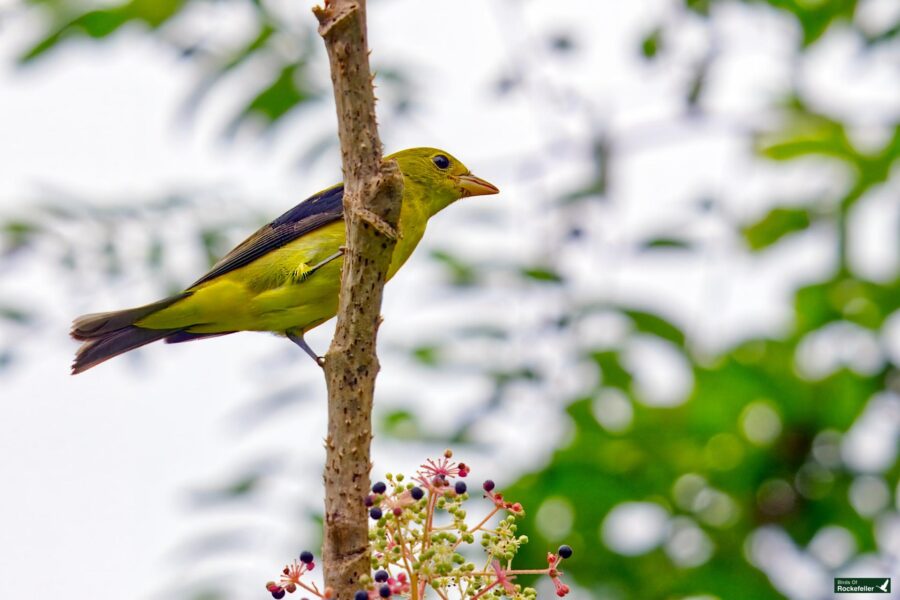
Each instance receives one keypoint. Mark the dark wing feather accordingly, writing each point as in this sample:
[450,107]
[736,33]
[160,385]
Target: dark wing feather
[314,212]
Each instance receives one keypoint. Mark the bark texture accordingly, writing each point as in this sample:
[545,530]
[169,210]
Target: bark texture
[371,208]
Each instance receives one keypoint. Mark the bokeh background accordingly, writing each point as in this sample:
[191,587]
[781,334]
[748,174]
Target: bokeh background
[674,337]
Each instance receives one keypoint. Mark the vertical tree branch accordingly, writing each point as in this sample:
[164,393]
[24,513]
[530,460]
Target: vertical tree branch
[372,192]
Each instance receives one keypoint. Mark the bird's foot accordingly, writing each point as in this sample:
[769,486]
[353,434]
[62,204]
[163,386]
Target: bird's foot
[298,339]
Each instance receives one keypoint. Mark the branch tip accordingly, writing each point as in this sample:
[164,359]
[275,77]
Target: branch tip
[334,14]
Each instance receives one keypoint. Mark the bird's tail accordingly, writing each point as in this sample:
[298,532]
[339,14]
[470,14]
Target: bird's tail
[110,334]
[99,349]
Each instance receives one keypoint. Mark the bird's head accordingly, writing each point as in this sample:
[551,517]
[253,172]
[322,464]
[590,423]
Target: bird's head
[443,178]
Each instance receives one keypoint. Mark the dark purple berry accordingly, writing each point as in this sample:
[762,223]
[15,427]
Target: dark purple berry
[370,500]
[379,488]
[306,557]
[488,485]
[375,513]
[278,594]
[361,595]
[381,576]
[460,487]
[417,493]
[564,551]
[384,591]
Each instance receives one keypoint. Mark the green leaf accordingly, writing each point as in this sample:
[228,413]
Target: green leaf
[285,93]
[665,243]
[521,374]
[816,17]
[16,315]
[697,86]
[646,322]
[701,7]
[845,299]
[887,35]
[18,235]
[544,274]
[402,424]
[241,56]
[428,355]
[613,373]
[243,486]
[651,43]
[778,223]
[462,274]
[99,24]
[807,135]
[598,185]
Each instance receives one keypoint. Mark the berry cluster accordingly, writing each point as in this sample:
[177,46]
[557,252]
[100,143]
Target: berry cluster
[290,578]
[419,526]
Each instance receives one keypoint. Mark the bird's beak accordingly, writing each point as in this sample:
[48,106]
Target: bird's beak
[476,186]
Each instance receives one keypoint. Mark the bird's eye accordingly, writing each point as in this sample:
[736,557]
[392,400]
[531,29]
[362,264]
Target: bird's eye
[441,161]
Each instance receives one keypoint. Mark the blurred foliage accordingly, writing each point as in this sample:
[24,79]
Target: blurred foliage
[272,43]
[85,241]
[777,223]
[277,44]
[756,441]
[745,449]
[814,18]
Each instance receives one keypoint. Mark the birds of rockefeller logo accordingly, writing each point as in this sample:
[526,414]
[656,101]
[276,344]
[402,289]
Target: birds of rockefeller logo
[862,585]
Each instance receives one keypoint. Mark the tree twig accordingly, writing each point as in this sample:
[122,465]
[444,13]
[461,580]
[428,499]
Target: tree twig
[372,191]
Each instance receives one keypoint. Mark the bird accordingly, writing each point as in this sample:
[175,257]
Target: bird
[285,277]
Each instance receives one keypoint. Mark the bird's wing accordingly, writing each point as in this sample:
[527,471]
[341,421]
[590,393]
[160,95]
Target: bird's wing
[317,211]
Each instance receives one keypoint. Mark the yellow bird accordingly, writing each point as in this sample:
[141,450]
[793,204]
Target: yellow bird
[284,278]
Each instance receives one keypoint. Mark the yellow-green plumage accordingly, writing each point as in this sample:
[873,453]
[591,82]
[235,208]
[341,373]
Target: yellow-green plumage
[269,294]
[284,278]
